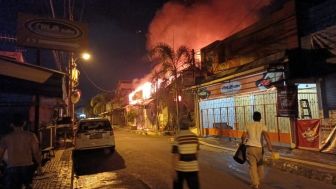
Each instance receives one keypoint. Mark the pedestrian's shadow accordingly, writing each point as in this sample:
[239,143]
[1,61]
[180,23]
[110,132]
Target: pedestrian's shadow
[96,161]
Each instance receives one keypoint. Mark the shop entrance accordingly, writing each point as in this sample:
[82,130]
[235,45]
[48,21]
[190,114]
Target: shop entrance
[307,101]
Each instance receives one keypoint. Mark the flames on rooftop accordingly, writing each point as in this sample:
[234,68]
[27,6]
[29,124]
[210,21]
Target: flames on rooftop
[196,25]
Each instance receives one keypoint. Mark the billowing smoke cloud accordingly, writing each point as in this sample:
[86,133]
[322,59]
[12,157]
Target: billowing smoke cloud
[203,22]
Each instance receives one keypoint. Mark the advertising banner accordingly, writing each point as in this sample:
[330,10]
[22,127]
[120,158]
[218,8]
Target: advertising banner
[308,132]
[287,101]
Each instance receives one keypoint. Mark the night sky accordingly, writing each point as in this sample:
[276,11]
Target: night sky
[117,37]
[122,31]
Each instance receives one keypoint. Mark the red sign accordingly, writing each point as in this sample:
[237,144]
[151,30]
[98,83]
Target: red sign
[308,133]
[13,55]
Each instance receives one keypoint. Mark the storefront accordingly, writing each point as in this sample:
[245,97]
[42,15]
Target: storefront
[285,95]
[231,103]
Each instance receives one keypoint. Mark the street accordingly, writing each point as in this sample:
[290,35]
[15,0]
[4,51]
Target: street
[141,162]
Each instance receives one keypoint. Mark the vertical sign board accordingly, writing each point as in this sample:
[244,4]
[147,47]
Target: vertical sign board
[49,33]
[287,101]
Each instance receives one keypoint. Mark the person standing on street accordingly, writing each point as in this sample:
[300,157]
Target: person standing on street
[21,147]
[254,134]
[185,148]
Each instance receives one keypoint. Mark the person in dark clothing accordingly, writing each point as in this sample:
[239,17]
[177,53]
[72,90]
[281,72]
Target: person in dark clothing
[21,147]
[185,148]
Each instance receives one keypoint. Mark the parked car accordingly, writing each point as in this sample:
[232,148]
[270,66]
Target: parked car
[94,133]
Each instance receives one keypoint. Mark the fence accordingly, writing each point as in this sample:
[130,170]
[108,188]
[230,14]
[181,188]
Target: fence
[54,136]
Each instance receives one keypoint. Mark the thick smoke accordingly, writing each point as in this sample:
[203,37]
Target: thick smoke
[203,22]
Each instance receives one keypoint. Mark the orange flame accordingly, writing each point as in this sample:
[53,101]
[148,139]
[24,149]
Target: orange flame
[202,23]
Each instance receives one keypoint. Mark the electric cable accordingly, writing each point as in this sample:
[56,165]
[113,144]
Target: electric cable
[93,83]
[243,18]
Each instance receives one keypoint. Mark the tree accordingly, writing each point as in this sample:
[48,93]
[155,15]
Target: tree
[98,102]
[172,63]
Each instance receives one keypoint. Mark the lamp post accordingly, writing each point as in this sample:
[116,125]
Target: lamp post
[73,82]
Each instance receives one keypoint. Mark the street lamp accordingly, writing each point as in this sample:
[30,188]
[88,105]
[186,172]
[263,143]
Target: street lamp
[73,82]
[86,56]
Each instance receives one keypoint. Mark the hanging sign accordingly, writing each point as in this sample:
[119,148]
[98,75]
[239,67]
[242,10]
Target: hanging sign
[269,79]
[287,101]
[75,96]
[308,133]
[203,93]
[49,33]
[231,87]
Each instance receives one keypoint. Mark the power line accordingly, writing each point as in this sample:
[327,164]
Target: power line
[93,83]
[243,18]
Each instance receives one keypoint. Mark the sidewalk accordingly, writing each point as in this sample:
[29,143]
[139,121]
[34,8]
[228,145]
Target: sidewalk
[57,172]
[313,165]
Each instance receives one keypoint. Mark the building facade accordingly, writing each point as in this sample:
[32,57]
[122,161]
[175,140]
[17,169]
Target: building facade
[265,68]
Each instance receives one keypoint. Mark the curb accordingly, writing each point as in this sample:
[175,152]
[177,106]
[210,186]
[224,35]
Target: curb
[312,170]
[316,164]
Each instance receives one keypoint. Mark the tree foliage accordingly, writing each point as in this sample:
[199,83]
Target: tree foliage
[98,102]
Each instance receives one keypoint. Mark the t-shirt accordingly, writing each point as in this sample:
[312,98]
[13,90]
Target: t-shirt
[19,146]
[186,146]
[254,131]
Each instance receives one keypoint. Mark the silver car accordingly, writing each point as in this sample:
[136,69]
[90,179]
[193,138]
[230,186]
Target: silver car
[94,133]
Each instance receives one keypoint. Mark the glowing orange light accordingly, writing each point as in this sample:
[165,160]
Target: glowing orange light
[145,90]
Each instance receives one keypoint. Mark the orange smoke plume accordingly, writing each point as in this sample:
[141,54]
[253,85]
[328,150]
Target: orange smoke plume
[203,22]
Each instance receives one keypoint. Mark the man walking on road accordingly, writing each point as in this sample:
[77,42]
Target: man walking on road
[21,146]
[185,148]
[254,134]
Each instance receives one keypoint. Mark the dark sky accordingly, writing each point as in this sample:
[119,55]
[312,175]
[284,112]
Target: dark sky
[117,37]
[118,30]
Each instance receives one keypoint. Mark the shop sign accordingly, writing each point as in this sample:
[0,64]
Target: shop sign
[51,33]
[287,101]
[203,93]
[269,78]
[308,133]
[231,87]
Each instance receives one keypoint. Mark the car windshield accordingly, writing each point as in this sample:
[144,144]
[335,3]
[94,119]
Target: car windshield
[94,126]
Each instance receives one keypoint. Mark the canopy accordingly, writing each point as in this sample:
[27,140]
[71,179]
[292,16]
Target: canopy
[23,78]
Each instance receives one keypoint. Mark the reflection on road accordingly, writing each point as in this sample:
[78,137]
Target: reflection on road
[96,169]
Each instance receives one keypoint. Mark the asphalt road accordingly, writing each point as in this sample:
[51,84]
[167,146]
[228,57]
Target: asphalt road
[142,162]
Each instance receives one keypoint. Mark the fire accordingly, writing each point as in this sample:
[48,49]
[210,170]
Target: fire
[141,93]
[201,23]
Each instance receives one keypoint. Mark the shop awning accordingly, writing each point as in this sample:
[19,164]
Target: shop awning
[24,78]
[296,63]
[257,66]
[307,63]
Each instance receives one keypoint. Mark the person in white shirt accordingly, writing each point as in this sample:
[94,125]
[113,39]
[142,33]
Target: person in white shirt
[254,134]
